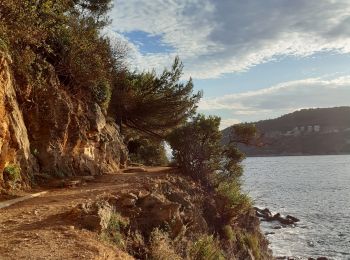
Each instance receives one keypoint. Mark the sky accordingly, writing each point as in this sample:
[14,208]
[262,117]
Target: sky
[252,59]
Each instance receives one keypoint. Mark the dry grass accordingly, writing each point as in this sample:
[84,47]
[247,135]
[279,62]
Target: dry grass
[206,248]
[161,247]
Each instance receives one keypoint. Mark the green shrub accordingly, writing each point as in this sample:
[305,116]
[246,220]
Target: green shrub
[12,172]
[231,192]
[228,233]
[206,248]
[3,45]
[197,149]
[102,93]
[248,242]
[113,232]
[135,244]
[253,243]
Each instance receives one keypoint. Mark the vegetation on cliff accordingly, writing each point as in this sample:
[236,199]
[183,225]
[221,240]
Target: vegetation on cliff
[199,154]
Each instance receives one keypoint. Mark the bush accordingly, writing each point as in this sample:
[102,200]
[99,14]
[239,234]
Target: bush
[253,243]
[197,149]
[248,242]
[63,37]
[3,45]
[161,247]
[234,201]
[115,227]
[135,244]
[102,93]
[12,172]
[206,248]
[228,233]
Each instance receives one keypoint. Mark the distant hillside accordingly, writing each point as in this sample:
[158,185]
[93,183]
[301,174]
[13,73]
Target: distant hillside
[304,132]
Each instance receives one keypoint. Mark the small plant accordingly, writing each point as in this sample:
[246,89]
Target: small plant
[161,247]
[235,199]
[206,248]
[3,45]
[35,152]
[113,232]
[253,244]
[12,172]
[135,244]
[102,93]
[248,242]
[228,233]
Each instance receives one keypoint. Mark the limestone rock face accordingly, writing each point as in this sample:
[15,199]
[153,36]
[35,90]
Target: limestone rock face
[71,135]
[51,131]
[14,142]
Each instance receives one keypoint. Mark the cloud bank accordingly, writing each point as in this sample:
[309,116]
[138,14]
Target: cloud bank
[216,37]
[282,98]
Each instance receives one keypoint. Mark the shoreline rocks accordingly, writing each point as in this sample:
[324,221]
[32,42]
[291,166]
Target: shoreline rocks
[266,215]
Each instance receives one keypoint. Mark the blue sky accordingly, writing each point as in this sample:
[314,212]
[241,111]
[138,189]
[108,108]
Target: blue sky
[253,59]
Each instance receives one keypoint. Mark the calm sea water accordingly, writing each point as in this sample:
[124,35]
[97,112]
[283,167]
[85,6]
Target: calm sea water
[315,189]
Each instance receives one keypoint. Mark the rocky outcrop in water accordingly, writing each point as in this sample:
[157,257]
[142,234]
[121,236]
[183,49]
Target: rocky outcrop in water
[266,215]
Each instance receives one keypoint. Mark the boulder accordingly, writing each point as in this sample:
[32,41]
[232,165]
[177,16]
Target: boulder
[94,216]
[277,227]
[150,201]
[154,211]
[91,222]
[179,198]
[128,200]
[263,213]
[294,219]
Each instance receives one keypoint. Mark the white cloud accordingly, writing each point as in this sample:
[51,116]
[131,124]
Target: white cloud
[228,122]
[215,37]
[282,98]
[135,58]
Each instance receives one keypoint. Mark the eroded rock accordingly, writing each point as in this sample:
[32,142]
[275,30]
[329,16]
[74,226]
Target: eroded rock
[14,140]
[57,134]
[93,216]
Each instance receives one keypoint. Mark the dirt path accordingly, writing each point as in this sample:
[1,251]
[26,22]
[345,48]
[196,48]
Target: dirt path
[36,228]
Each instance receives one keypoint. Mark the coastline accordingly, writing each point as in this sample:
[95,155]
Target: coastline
[311,188]
[294,155]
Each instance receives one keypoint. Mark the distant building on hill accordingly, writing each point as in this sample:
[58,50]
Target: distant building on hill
[304,132]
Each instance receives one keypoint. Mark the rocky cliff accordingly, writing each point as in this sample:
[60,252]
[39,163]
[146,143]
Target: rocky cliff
[14,141]
[50,131]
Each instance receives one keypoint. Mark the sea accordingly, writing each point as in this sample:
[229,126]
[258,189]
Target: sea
[315,189]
